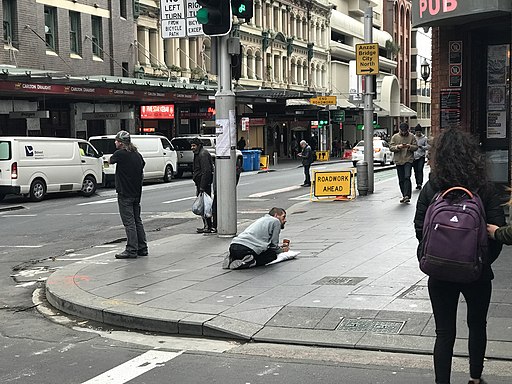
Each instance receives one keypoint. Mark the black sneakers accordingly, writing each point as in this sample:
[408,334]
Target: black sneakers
[142,252]
[126,255]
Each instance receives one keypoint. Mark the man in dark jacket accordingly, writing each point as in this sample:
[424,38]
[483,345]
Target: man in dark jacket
[307,159]
[202,175]
[129,175]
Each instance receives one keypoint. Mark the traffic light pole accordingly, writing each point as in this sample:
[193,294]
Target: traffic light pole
[368,104]
[225,163]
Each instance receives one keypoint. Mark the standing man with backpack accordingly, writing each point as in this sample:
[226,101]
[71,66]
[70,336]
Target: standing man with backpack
[307,157]
[403,144]
[443,228]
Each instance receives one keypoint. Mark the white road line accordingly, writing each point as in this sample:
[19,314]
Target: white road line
[273,192]
[134,367]
[106,201]
[177,200]
[21,246]
[19,215]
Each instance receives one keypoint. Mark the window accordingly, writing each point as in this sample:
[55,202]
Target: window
[5,150]
[9,7]
[50,27]
[122,8]
[97,36]
[75,34]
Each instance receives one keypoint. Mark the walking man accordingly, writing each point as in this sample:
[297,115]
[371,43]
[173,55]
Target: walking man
[419,155]
[403,144]
[202,175]
[307,159]
[129,175]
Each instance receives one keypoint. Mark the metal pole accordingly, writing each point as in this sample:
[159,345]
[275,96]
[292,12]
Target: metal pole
[368,104]
[225,150]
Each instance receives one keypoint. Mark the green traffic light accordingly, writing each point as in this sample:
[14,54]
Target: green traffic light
[241,8]
[203,16]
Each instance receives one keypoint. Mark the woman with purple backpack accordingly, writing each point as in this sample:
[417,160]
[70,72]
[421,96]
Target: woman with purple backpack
[456,160]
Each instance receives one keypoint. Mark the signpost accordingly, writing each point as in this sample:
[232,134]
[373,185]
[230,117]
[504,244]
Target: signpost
[179,18]
[367,59]
[323,100]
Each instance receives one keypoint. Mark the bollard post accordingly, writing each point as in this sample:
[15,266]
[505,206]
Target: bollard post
[275,158]
[362,178]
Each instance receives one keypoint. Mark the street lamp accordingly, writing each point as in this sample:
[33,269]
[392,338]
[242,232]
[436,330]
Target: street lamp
[425,72]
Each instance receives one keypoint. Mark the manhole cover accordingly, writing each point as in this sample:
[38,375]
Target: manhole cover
[339,280]
[369,325]
[416,292]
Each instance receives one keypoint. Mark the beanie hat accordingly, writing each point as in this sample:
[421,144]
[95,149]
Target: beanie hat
[196,141]
[404,127]
[418,128]
[123,137]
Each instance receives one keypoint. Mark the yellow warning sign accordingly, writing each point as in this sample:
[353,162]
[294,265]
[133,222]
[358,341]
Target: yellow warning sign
[323,100]
[367,59]
[322,155]
[264,161]
[332,183]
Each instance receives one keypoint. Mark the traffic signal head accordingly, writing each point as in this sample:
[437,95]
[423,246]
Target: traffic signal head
[323,118]
[215,16]
[243,9]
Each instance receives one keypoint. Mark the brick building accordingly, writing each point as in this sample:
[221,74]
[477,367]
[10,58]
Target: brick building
[471,68]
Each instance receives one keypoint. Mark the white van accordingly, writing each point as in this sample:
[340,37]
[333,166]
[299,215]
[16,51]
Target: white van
[35,166]
[157,151]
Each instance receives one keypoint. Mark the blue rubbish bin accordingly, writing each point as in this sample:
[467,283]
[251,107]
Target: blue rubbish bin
[247,160]
[256,160]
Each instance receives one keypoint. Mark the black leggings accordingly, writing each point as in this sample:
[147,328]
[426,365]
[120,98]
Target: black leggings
[444,297]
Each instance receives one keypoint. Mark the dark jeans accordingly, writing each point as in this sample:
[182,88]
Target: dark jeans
[444,297]
[418,165]
[207,222]
[307,177]
[129,209]
[239,251]
[404,178]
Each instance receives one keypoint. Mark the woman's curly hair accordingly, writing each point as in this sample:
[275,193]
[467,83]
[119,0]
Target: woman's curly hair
[456,160]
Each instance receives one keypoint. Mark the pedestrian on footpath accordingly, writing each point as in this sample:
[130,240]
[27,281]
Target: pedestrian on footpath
[456,160]
[419,155]
[307,159]
[202,175]
[403,144]
[259,243]
[128,178]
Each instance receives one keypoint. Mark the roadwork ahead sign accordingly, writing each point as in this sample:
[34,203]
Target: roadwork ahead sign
[332,183]
[367,59]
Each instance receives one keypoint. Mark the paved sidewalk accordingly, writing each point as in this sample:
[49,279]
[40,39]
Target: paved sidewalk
[356,284]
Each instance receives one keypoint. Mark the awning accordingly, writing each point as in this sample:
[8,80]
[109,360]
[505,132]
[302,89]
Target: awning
[340,103]
[345,104]
[382,111]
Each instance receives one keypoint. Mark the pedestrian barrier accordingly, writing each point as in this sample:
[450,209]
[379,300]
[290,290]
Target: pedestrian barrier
[322,155]
[264,161]
[347,154]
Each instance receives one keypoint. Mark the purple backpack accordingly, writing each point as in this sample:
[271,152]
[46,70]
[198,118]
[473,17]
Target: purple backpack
[454,245]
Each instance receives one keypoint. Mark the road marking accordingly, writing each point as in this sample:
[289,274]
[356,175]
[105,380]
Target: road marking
[21,246]
[273,192]
[134,367]
[19,215]
[106,201]
[177,200]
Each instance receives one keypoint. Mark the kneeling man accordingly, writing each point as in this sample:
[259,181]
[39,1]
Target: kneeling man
[259,243]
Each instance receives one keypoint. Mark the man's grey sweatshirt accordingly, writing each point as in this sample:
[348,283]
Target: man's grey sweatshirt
[261,235]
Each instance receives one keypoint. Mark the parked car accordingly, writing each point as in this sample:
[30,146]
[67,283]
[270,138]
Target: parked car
[186,156]
[157,151]
[381,152]
[35,166]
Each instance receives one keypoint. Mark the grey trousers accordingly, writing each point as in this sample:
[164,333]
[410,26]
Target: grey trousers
[129,209]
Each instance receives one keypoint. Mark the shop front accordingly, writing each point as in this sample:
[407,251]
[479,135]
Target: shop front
[471,73]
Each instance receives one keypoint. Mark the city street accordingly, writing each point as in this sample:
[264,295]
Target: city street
[50,347]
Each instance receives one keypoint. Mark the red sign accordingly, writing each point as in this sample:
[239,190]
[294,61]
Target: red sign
[148,130]
[165,111]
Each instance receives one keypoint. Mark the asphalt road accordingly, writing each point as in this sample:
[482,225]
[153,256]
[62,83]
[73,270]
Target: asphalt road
[44,348]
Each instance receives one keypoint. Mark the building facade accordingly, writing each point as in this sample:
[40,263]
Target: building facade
[471,78]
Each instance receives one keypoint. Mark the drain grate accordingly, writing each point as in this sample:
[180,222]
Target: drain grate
[370,325]
[339,280]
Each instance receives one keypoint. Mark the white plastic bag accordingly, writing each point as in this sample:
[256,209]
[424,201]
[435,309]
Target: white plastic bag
[208,205]
[203,205]
[198,205]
